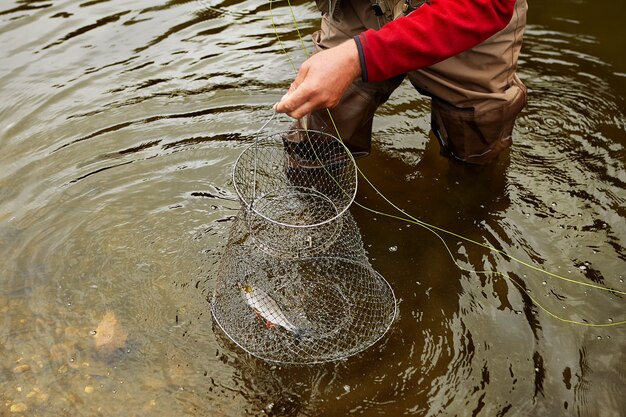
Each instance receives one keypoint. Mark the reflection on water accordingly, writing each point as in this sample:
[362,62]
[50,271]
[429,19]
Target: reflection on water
[118,130]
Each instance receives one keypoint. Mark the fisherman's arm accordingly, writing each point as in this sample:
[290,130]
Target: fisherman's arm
[432,33]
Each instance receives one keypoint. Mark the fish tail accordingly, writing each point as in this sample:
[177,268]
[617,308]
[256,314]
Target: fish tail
[300,333]
[298,336]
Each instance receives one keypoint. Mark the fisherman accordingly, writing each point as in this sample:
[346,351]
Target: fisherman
[461,53]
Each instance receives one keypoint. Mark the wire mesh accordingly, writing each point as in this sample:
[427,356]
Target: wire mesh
[306,310]
[294,284]
[294,185]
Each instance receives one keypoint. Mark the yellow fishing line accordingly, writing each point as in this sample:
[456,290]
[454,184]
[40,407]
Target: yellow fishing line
[433,229]
[280,42]
[295,24]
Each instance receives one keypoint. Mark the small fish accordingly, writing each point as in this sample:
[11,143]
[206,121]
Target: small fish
[266,307]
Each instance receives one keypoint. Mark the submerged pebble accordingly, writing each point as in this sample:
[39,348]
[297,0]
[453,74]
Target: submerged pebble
[18,408]
[110,335]
[38,395]
[20,369]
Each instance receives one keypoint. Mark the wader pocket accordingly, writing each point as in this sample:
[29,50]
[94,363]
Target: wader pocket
[477,137]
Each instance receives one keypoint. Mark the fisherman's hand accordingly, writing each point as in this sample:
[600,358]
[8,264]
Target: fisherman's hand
[322,80]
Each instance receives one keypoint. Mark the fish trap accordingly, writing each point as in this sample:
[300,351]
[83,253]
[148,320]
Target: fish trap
[294,185]
[301,311]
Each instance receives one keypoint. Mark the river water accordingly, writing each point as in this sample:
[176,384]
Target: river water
[120,122]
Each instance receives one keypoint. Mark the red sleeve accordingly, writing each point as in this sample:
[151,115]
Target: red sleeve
[432,33]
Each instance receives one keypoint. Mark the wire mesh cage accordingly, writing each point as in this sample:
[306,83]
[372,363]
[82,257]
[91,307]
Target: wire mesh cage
[294,185]
[306,310]
[294,284]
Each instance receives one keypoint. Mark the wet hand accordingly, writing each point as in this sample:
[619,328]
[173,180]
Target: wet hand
[321,80]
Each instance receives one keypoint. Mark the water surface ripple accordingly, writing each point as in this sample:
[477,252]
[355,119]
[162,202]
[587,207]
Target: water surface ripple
[119,126]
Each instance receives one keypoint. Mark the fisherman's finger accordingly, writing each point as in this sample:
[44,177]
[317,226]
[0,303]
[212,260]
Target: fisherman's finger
[279,106]
[303,108]
[288,105]
[285,105]
[296,99]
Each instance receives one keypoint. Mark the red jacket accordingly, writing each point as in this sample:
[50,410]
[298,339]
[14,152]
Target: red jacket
[432,33]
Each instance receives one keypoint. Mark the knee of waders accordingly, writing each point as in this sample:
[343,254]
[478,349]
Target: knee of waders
[477,136]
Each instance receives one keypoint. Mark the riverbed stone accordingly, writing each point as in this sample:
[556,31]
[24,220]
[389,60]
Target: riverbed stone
[110,335]
[18,408]
[20,369]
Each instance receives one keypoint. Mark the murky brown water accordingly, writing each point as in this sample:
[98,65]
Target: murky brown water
[119,125]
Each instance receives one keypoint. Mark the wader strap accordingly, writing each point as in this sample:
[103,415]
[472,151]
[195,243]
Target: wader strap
[330,8]
[333,7]
[388,10]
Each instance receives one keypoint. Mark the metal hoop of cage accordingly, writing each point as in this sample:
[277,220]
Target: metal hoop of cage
[295,185]
[301,311]
[294,285]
